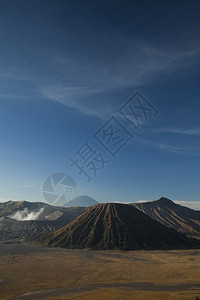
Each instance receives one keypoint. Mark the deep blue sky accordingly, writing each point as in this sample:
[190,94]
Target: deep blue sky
[67,66]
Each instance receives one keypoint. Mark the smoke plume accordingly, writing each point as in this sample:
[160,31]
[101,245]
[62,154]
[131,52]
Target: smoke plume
[26,215]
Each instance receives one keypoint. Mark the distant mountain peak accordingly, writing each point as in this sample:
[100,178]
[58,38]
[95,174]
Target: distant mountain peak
[82,201]
[180,218]
[164,200]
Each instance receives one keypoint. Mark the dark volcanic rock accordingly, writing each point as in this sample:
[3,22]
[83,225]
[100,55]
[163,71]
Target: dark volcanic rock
[50,219]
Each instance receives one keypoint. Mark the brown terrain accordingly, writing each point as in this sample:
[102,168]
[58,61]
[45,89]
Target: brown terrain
[32,272]
[116,226]
[178,217]
[50,219]
[28,272]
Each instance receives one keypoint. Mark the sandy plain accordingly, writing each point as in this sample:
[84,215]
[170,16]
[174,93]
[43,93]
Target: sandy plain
[30,272]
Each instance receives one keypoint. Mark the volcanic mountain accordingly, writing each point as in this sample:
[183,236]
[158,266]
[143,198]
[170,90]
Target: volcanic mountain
[116,226]
[23,219]
[25,211]
[180,218]
[82,201]
[23,230]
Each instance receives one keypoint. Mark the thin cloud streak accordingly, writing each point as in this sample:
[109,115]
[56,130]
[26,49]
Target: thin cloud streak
[191,204]
[29,186]
[3,200]
[180,149]
[138,67]
[64,79]
[192,131]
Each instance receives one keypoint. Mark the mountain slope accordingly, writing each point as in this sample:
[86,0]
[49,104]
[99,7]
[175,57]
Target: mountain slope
[82,201]
[180,218]
[23,219]
[9,207]
[24,210]
[115,226]
[23,230]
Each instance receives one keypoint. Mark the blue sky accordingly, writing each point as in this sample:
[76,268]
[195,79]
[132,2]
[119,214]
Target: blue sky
[66,67]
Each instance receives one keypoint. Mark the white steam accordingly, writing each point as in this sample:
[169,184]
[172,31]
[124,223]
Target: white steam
[26,215]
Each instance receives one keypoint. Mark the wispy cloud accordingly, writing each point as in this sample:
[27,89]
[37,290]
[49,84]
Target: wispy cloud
[28,186]
[191,204]
[85,81]
[3,200]
[85,84]
[143,201]
[78,98]
[175,140]
[191,131]
[13,74]
[179,147]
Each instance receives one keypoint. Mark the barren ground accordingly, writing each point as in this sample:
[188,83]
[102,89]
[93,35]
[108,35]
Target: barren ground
[30,272]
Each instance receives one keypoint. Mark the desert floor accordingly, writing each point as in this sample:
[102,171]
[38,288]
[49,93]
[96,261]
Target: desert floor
[30,272]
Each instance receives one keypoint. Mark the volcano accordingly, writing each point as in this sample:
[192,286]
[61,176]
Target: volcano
[175,216]
[116,226]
